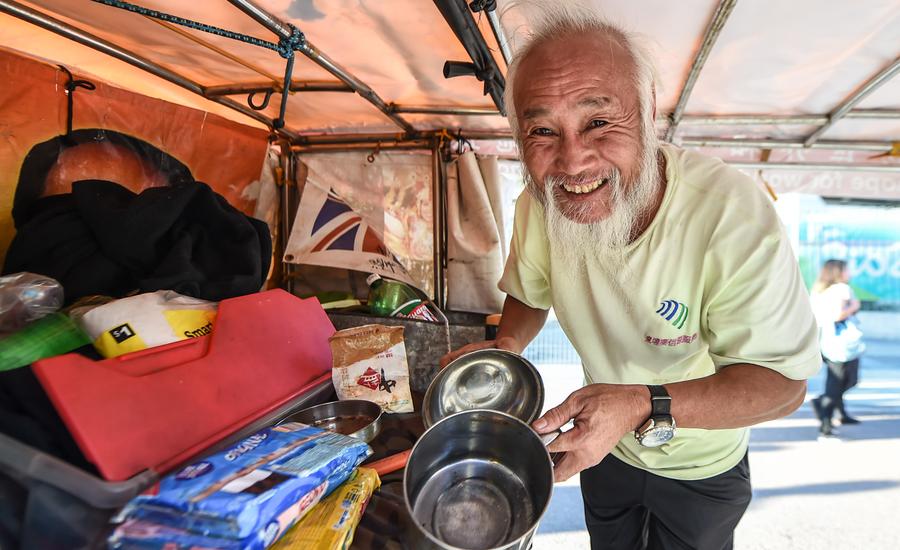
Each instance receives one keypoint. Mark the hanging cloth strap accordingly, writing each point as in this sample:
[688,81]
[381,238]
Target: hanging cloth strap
[71,85]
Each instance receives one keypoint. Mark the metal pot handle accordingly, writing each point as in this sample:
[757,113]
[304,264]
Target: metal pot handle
[549,438]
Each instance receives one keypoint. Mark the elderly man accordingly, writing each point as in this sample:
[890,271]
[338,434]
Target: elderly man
[672,277]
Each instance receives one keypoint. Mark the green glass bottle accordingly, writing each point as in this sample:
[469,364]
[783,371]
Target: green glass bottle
[389,298]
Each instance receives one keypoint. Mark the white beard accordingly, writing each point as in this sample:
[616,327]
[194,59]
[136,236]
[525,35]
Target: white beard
[572,243]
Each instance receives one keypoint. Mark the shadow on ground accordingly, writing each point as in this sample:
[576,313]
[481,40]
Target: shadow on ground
[834,488]
[567,512]
[773,438]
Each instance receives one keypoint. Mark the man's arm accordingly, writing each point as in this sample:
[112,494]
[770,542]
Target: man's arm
[518,327]
[738,395]
[850,307]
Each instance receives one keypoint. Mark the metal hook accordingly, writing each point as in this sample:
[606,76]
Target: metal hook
[371,156]
[71,85]
[265,102]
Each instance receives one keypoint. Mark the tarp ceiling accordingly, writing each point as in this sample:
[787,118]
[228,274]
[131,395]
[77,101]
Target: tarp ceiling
[783,59]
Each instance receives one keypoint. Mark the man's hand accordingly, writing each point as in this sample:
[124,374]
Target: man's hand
[507,343]
[602,413]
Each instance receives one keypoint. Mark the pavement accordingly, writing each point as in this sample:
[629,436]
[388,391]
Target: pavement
[808,493]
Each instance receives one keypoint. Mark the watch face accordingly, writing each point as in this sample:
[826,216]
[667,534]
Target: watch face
[656,436]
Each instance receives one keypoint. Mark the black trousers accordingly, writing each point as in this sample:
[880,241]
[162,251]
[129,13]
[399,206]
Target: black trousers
[627,508]
[841,377]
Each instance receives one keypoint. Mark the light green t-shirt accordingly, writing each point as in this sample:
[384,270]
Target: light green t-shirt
[714,283]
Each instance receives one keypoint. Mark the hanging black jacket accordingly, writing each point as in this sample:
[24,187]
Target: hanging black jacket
[104,239]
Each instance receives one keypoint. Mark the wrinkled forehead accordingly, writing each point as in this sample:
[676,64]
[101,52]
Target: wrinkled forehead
[592,55]
[560,74]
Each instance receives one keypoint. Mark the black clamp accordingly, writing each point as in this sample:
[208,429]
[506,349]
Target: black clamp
[483,5]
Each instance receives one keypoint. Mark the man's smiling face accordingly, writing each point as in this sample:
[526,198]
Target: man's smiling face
[579,119]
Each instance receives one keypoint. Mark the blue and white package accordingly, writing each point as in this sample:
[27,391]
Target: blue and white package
[135,534]
[254,490]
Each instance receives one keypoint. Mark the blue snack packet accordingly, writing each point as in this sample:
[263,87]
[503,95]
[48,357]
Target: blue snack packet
[249,493]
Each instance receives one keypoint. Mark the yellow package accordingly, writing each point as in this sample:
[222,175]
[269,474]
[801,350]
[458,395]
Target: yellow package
[145,321]
[331,523]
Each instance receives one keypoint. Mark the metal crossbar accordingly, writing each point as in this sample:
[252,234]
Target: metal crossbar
[864,91]
[715,27]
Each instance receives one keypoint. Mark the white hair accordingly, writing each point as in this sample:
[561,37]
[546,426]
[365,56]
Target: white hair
[572,238]
[549,19]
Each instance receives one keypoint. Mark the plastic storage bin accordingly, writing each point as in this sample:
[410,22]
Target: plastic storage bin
[142,415]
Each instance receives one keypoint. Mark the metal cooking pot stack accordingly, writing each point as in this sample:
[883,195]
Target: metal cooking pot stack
[480,477]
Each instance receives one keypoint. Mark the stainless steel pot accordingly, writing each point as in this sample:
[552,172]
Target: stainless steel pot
[493,379]
[478,479]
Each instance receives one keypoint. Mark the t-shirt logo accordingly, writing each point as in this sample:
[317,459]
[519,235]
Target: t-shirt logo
[674,312]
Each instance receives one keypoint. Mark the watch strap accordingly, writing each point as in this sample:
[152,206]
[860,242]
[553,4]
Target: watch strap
[660,401]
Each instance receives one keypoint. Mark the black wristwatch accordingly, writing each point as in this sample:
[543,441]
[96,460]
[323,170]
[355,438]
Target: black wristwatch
[660,427]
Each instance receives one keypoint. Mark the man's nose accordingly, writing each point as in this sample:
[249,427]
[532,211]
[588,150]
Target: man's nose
[575,156]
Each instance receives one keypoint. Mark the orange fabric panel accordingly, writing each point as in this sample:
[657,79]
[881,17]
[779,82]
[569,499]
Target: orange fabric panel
[27,116]
[224,154]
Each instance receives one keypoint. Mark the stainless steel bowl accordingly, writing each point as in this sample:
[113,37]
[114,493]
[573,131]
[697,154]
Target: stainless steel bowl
[492,379]
[357,418]
[478,479]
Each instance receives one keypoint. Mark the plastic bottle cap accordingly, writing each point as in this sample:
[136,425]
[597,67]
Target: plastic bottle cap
[493,320]
[372,278]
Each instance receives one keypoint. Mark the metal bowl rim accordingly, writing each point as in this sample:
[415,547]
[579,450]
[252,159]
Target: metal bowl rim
[375,420]
[429,393]
[439,542]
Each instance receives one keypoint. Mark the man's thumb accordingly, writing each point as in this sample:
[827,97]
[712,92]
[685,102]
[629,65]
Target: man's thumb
[554,418]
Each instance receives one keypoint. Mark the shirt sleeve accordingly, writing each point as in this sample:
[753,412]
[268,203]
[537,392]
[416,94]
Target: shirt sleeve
[526,276]
[760,312]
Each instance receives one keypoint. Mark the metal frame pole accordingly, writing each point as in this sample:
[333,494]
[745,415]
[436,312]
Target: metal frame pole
[87,39]
[816,166]
[722,120]
[723,10]
[448,110]
[873,113]
[283,30]
[257,87]
[289,182]
[413,145]
[439,225]
[786,144]
[736,120]
[784,120]
[499,35]
[861,93]
[212,47]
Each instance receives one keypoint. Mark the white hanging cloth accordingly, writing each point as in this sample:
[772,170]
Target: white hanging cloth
[475,238]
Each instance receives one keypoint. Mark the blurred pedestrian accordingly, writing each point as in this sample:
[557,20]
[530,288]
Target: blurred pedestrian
[835,307]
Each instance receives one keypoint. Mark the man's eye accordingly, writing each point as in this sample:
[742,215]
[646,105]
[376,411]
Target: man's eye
[541,132]
[596,123]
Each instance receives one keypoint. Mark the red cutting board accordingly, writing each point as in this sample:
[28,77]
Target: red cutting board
[159,407]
